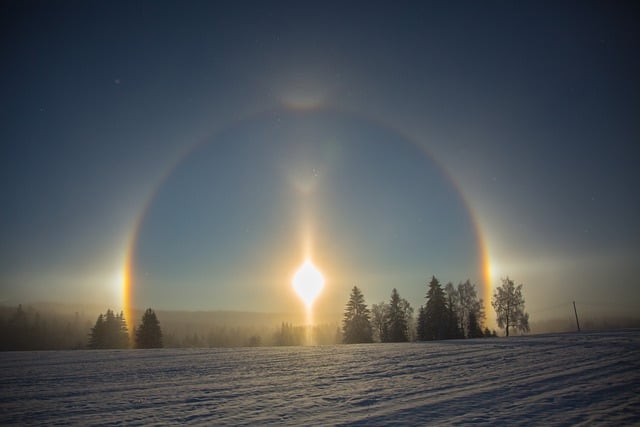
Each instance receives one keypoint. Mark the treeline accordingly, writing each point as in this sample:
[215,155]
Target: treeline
[110,331]
[25,329]
[450,312]
[28,328]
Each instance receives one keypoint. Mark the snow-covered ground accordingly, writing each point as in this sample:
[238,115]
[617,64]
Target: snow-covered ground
[566,379]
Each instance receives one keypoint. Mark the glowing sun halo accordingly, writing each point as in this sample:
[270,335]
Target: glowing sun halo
[308,282]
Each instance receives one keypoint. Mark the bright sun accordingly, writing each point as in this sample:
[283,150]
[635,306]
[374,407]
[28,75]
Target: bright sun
[308,282]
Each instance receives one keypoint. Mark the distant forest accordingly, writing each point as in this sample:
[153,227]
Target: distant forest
[449,312]
[50,328]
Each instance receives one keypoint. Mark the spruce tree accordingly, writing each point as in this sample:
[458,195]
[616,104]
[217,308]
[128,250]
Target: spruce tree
[110,331]
[98,332]
[120,333]
[397,319]
[356,324]
[436,319]
[149,334]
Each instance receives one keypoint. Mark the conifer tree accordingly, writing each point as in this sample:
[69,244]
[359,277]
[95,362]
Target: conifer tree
[149,334]
[98,332]
[397,320]
[356,324]
[110,331]
[397,326]
[288,335]
[435,322]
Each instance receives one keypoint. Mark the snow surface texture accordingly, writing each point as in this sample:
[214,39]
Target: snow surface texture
[563,379]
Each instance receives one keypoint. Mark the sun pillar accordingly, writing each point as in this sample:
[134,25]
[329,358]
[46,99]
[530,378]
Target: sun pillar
[308,283]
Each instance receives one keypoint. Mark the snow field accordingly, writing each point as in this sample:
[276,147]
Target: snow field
[561,379]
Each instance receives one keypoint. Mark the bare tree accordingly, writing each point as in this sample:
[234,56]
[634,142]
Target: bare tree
[379,321]
[508,303]
[470,311]
[453,300]
[411,321]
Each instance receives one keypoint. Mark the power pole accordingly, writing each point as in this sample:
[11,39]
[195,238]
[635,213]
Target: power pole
[576,312]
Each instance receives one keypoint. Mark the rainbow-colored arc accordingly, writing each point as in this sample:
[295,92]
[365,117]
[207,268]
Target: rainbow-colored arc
[129,260]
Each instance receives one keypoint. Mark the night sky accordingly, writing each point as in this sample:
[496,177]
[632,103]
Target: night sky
[212,147]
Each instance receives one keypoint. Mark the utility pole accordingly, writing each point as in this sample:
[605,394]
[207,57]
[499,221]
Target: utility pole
[576,312]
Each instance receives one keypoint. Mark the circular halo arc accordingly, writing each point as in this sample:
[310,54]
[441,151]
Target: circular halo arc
[129,258]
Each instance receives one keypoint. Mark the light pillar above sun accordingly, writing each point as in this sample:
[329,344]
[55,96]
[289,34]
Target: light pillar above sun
[308,283]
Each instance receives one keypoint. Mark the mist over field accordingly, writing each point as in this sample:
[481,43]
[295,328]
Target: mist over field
[55,326]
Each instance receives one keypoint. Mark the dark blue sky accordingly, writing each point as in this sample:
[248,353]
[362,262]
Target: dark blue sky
[532,108]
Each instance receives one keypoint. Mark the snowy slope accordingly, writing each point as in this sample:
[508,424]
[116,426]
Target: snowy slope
[564,379]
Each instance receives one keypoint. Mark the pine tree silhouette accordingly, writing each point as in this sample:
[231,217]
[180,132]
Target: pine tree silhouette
[435,318]
[149,334]
[110,331]
[356,324]
[397,321]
